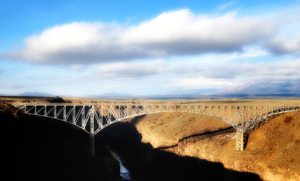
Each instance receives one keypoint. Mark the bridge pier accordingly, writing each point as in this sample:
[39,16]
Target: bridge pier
[92,132]
[240,141]
[92,145]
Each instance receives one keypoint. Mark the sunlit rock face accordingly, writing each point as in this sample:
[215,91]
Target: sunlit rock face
[146,163]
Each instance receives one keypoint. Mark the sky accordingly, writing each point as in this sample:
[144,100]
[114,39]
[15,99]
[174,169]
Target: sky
[91,47]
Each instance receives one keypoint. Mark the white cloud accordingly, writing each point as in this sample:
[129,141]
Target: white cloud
[182,32]
[196,75]
[131,70]
[247,52]
[171,33]
[114,86]
[223,6]
[200,83]
[193,76]
[76,68]
[278,70]
[11,86]
[281,45]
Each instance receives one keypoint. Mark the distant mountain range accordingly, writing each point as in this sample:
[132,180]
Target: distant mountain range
[250,90]
[266,88]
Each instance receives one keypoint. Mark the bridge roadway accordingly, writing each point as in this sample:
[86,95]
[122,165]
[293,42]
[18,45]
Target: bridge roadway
[92,118]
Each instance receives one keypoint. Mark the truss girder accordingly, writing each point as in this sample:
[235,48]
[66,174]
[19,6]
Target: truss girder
[242,118]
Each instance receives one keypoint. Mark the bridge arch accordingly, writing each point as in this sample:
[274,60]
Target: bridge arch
[92,118]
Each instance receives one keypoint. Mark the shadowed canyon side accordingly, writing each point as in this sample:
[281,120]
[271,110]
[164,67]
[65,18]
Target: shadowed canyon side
[271,151]
[47,149]
[59,151]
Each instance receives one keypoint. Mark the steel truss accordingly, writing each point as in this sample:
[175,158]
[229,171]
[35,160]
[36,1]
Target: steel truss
[92,118]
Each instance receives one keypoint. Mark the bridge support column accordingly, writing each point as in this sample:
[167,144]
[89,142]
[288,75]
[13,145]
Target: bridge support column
[92,132]
[239,141]
[92,145]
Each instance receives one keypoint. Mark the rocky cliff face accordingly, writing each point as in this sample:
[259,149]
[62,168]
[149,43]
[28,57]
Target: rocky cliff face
[272,150]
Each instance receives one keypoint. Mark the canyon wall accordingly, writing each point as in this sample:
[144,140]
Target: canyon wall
[272,150]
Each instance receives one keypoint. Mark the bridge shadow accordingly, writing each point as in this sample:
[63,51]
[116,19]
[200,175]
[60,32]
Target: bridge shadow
[203,135]
[147,164]
[134,121]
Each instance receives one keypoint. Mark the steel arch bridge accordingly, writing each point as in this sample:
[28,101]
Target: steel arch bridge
[92,118]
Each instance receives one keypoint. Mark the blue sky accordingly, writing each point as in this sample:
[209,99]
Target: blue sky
[79,48]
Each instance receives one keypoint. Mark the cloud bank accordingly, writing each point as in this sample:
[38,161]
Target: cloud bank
[196,75]
[172,33]
[233,74]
